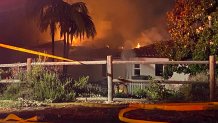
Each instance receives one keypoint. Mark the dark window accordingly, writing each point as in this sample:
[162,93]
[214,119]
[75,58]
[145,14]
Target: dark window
[137,66]
[158,70]
[137,69]
[137,72]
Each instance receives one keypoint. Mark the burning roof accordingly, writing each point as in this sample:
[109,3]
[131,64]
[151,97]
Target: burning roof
[150,50]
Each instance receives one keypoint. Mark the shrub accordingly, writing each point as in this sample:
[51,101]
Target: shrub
[196,91]
[140,93]
[83,88]
[199,77]
[121,95]
[40,84]
[96,90]
[174,96]
[79,86]
[157,92]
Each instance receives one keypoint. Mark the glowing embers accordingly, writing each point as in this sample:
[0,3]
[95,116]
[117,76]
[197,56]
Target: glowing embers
[33,52]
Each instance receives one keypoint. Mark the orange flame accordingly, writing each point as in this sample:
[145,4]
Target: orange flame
[138,45]
[76,42]
[33,52]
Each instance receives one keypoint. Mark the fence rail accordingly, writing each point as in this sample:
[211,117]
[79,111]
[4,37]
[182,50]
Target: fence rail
[102,62]
[159,81]
[110,62]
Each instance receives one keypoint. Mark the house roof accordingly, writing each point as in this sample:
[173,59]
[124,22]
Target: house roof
[86,53]
[151,50]
[82,53]
[146,51]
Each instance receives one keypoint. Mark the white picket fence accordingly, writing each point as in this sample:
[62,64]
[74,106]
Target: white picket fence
[132,87]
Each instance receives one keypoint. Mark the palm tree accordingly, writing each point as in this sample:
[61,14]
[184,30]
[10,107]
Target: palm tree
[75,22]
[49,18]
[48,12]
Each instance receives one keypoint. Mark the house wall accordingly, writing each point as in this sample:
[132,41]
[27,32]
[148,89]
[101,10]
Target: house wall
[126,71]
[96,72]
[147,69]
[93,71]
[120,71]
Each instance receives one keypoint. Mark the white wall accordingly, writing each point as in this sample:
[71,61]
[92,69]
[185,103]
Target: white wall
[147,69]
[125,71]
[120,70]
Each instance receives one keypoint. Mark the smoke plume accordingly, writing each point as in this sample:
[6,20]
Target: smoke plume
[117,22]
[135,21]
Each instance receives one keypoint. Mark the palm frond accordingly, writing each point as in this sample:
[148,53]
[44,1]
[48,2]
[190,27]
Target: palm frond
[80,7]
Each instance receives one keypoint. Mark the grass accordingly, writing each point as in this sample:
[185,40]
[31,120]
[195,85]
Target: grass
[7,103]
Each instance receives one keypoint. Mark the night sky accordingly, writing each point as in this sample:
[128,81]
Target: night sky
[118,23]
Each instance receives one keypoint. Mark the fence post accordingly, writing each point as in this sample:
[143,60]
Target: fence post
[212,84]
[28,66]
[110,78]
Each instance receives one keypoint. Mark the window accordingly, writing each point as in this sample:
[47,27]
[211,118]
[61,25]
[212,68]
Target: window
[158,70]
[137,69]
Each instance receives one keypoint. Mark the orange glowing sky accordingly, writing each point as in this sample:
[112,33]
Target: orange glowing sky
[118,22]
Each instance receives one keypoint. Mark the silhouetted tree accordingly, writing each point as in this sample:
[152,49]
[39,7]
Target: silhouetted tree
[48,13]
[75,23]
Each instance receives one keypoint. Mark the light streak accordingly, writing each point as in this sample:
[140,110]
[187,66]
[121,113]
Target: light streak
[34,52]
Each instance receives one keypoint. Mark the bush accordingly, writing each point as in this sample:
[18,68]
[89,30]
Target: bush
[199,77]
[96,90]
[121,95]
[40,84]
[79,87]
[196,91]
[140,93]
[12,92]
[174,96]
[155,91]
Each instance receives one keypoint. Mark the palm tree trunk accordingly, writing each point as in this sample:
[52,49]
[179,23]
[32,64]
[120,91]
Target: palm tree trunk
[64,53]
[53,44]
[68,46]
[53,39]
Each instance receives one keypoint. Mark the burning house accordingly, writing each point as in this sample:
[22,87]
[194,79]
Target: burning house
[126,71]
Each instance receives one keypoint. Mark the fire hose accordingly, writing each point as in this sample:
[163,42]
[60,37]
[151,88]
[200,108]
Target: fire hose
[166,107]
